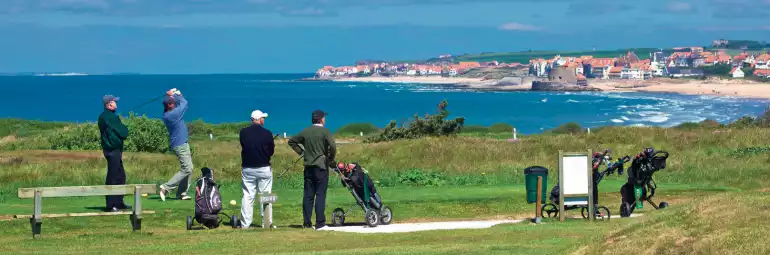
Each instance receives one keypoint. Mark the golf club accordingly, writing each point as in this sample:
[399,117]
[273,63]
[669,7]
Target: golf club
[290,166]
[146,103]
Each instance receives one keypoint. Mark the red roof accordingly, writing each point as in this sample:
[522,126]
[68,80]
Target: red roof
[762,72]
[616,69]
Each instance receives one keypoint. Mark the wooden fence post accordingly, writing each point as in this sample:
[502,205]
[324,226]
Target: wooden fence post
[538,204]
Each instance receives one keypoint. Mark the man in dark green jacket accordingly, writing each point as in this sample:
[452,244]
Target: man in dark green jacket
[113,132]
[319,150]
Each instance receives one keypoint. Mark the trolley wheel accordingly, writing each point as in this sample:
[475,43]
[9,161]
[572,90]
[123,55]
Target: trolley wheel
[338,217]
[663,205]
[234,221]
[603,213]
[189,222]
[386,215]
[584,212]
[625,210]
[372,218]
[549,210]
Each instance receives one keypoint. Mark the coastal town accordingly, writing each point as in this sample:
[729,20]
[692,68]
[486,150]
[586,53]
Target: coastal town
[679,62]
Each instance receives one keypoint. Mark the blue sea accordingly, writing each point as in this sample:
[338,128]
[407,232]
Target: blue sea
[289,103]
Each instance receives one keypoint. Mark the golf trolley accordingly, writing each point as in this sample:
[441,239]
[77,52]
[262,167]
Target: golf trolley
[640,187]
[373,216]
[602,212]
[208,203]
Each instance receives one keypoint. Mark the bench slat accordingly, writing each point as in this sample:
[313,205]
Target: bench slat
[83,191]
[59,215]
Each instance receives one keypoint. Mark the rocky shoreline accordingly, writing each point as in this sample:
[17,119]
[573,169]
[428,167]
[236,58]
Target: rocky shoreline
[560,86]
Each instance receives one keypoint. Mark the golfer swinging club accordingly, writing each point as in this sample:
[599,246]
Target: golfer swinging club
[175,107]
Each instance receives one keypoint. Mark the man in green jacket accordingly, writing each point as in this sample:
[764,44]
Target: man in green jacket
[319,150]
[113,132]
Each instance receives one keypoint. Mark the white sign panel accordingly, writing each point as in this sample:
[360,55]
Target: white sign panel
[575,175]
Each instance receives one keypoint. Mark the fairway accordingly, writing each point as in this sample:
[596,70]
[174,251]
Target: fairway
[715,184]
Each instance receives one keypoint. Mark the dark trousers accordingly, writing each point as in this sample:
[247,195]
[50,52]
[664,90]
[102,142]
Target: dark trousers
[116,175]
[316,184]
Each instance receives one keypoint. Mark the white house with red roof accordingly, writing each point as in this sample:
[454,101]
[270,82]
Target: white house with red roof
[762,62]
[737,72]
[762,73]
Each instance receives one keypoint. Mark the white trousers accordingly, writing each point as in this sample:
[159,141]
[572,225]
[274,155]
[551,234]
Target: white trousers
[255,181]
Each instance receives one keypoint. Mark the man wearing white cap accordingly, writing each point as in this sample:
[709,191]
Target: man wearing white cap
[257,147]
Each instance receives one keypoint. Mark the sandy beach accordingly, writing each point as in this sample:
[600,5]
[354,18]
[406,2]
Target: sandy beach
[712,86]
[715,87]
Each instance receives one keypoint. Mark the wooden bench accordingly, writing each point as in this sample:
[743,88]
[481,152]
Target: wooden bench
[36,219]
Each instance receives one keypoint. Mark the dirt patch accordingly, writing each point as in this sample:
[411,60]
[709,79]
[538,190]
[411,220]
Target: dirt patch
[11,160]
[47,156]
[7,139]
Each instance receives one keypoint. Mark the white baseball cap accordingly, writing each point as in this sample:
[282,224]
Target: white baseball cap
[257,114]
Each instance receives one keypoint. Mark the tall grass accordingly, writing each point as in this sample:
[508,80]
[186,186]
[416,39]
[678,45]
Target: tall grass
[701,156]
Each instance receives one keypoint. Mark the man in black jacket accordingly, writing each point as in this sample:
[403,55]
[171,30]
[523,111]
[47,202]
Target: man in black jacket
[257,147]
[113,132]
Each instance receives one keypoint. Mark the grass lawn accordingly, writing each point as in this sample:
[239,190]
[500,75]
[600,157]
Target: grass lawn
[164,231]
[715,181]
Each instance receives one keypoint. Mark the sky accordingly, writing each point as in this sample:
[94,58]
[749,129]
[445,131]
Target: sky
[299,36]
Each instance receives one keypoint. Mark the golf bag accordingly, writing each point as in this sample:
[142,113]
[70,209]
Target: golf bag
[357,178]
[208,202]
[640,186]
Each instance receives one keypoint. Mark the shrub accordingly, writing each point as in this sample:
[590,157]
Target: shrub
[475,129]
[25,128]
[144,135]
[501,128]
[430,125]
[81,137]
[569,128]
[357,128]
[688,126]
[416,177]
[743,122]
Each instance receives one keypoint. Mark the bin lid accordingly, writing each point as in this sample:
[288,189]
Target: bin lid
[535,170]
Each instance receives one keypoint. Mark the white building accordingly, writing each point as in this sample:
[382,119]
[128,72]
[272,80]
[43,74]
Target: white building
[737,72]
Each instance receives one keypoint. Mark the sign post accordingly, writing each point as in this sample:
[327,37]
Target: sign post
[575,182]
[538,209]
[268,199]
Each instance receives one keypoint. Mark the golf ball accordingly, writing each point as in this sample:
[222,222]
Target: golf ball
[232,202]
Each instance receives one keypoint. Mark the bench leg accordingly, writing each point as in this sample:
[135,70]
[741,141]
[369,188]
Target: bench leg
[36,227]
[136,222]
[136,216]
[37,217]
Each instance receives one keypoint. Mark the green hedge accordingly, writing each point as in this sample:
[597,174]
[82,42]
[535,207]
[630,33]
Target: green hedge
[357,128]
[144,135]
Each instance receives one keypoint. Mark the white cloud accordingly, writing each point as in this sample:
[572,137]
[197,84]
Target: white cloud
[679,7]
[515,26]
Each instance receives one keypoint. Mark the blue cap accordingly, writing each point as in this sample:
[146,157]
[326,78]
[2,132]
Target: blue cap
[168,100]
[109,98]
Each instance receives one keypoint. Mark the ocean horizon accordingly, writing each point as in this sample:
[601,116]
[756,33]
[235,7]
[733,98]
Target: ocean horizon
[222,98]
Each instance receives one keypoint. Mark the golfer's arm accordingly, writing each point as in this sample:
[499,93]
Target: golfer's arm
[294,143]
[332,146]
[182,104]
[271,145]
[119,127]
